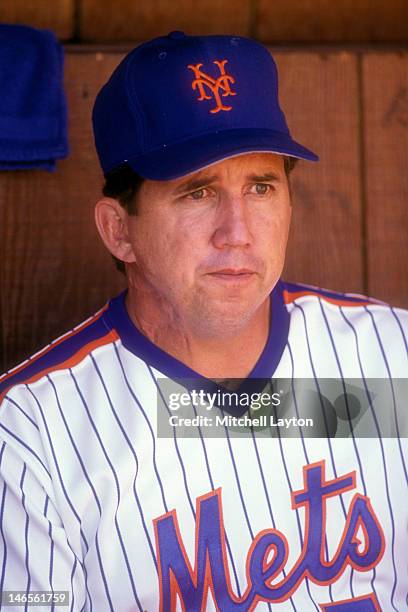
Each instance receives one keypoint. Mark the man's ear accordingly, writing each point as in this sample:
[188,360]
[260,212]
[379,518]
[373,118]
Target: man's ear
[112,223]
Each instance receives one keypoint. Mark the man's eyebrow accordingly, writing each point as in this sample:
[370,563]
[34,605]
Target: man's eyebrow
[194,184]
[262,178]
[202,181]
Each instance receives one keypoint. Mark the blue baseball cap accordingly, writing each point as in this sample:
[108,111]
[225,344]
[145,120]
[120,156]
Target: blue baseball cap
[179,103]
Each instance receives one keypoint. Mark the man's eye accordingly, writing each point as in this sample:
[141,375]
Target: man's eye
[199,194]
[261,188]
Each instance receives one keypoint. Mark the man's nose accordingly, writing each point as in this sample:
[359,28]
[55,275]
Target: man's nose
[232,224]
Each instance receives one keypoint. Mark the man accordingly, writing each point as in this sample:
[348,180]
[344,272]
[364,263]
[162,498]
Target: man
[107,492]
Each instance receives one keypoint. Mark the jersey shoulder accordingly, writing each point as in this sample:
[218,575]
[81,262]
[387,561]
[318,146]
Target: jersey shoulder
[301,292]
[65,352]
[361,310]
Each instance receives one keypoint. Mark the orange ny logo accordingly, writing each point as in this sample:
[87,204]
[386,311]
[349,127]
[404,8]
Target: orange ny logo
[218,87]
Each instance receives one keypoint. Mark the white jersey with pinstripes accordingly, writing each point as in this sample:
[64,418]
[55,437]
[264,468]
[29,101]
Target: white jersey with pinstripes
[93,502]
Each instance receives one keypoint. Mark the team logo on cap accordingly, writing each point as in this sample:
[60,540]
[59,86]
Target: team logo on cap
[217,87]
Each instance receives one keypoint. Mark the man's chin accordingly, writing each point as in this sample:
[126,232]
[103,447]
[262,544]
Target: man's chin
[226,317]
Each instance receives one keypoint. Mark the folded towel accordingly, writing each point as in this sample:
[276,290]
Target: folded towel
[33,118]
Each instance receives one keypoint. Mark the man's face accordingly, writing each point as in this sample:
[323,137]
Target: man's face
[210,246]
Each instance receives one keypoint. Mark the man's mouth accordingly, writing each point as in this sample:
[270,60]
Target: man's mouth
[233,274]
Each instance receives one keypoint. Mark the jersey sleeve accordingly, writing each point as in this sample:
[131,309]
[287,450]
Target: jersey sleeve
[35,553]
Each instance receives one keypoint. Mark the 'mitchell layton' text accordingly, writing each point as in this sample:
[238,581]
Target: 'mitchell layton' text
[243,421]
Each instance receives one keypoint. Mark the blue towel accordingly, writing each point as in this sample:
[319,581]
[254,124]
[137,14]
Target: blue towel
[33,117]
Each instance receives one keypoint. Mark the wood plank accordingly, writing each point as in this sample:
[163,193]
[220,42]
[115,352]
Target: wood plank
[54,269]
[319,94]
[57,16]
[385,90]
[361,21]
[128,20]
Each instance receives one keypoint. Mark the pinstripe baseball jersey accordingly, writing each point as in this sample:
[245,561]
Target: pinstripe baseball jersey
[94,502]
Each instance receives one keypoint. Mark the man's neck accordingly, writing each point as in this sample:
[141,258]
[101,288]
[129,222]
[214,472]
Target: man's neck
[231,356]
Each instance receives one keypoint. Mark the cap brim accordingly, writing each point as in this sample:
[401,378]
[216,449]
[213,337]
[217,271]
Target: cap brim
[176,160]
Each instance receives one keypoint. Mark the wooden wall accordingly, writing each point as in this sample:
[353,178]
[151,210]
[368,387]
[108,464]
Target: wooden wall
[57,15]
[350,224]
[272,21]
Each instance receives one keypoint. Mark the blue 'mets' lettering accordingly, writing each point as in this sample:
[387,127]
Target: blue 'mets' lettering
[269,551]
